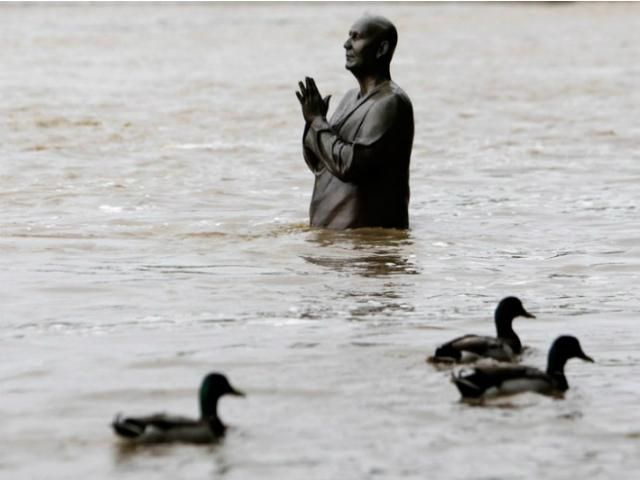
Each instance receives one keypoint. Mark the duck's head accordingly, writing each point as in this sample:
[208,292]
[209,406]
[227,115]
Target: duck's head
[214,386]
[510,308]
[566,347]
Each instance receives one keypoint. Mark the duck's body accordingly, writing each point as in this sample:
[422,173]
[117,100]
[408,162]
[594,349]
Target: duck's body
[499,380]
[161,428]
[470,348]
[504,347]
[489,381]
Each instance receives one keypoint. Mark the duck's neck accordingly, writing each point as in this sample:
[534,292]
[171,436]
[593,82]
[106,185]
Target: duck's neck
[216,425]
[555,368]
[505,332]
[209,412]
[556,362]
[209,408]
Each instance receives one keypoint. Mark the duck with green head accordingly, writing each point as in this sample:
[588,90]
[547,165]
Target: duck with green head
[504,347]
[161,427]
[500,380]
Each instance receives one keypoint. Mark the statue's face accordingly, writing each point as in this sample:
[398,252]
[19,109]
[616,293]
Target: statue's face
[361,46]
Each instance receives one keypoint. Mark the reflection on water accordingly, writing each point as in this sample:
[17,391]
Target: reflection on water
[124,451]
[134,459]
[370,252]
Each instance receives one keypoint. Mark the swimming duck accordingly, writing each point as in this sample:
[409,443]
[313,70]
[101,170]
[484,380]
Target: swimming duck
[497,380]
[167,428]
[504,347]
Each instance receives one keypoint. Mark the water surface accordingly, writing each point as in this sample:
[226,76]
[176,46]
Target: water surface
[154,211]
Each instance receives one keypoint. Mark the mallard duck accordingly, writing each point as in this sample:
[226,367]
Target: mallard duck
[167,428]
[486,381]
[504,347]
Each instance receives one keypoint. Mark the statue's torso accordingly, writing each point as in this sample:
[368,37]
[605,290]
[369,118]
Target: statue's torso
[379,200]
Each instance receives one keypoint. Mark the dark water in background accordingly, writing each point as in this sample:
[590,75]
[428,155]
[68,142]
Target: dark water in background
[154,203]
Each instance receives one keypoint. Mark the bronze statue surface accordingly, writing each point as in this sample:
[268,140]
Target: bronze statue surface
[360,158]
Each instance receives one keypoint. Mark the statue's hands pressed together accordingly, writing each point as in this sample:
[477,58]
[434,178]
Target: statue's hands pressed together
[313,105]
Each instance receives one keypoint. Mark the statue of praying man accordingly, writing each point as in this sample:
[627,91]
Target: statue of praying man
[360,158]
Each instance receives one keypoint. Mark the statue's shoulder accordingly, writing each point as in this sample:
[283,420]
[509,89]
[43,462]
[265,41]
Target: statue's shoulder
[393,93]
[392,101]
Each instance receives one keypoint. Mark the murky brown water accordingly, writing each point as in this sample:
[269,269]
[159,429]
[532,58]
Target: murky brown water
[154,202]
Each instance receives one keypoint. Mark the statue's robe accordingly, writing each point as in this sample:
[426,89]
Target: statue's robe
[361,161]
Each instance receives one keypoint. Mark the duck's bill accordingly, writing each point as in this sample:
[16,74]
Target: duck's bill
[527,314]
[237,393]
[587,358]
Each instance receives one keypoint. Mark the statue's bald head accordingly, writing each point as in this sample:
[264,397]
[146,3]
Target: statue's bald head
[383,31]
[370,46]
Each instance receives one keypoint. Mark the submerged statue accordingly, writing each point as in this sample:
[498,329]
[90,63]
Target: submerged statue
[360,158]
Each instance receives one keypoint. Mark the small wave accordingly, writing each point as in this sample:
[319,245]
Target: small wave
[110,208]
[56,122]
[226,146]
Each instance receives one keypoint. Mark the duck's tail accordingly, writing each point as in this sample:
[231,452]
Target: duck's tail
[445,354]
[127,427]
[442,361]
[466,386]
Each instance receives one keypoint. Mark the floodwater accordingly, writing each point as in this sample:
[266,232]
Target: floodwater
[154,208]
